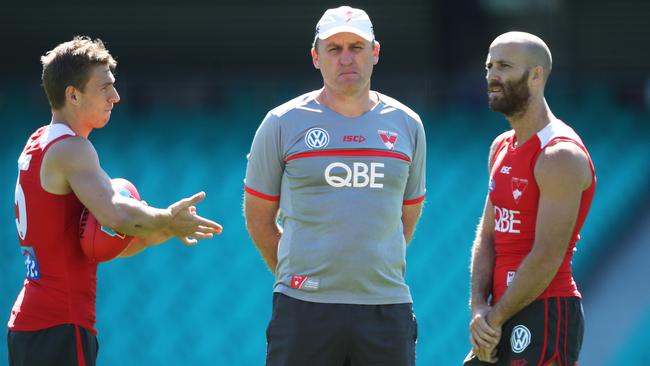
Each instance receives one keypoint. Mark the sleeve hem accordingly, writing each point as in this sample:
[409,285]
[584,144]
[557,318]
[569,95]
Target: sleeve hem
[414,200]
[261,195]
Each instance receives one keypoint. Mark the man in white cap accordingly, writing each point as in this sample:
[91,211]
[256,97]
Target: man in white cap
[344,168]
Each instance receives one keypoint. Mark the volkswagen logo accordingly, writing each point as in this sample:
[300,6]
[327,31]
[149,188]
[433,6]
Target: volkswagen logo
[317,138]
[520,338]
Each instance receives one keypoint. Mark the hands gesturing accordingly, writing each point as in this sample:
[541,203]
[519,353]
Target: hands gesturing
[186,225]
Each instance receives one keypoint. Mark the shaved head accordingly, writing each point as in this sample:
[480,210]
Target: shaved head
[530,49]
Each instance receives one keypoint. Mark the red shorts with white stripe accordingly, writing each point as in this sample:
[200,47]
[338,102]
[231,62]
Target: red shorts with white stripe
[547,330]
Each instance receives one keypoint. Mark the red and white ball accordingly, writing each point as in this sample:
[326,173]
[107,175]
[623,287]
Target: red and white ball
[100,243]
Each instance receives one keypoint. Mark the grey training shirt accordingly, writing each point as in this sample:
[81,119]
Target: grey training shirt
[341,183]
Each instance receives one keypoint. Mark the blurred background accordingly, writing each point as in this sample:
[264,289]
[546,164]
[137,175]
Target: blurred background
[197,77]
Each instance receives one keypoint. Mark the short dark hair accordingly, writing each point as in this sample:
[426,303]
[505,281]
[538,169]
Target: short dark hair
[69,64]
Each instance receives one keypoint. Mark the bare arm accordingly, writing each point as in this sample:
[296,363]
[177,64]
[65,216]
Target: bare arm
[138,244]
[562,173]
[483,337]
[261,223]
[72,165]
[482,265]
[410,217]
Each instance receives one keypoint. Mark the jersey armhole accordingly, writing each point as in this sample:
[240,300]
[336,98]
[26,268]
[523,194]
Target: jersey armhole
[45,150]
[51,143]
[554,141]
[499,147]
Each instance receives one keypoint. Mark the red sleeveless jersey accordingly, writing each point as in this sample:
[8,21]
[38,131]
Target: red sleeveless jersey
[60,280]
[515,196]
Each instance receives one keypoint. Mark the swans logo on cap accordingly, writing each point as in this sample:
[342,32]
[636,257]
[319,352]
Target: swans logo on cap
[348,16]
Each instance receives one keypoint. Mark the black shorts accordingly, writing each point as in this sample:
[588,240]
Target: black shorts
[61,345]
[546,330]
[307,333]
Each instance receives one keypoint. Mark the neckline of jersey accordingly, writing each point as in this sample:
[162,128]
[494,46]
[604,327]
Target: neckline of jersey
[528,142]
[369,112]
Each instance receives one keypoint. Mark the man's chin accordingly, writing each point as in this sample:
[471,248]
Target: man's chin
[349,89]
[103,123]
[496,106]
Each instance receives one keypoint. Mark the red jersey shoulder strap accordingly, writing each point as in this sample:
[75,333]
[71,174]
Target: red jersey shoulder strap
[52,134]
[51,143]
[500,145]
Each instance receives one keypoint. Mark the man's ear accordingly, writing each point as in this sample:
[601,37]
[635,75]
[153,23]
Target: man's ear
[71,95]
[375,52]
[538,73]
[314,58]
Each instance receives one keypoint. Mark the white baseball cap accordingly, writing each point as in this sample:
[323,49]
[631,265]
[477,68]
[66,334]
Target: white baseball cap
[345,19]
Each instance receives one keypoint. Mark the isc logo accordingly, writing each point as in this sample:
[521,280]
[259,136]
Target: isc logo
[359,175]
[350,138]
[505,220]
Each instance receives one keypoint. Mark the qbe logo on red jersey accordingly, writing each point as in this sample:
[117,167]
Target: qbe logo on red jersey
[506,221]
[358,175]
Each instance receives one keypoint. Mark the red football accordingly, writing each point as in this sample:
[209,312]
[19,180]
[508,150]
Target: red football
[100,243]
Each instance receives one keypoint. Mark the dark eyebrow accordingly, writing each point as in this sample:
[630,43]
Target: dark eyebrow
[497,62]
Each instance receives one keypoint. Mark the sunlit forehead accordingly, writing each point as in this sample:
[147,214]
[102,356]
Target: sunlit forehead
[506,54]
[523,48]
[102,75]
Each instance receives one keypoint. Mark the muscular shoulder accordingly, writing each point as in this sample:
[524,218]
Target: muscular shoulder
[563,163]
[73,152]
[64,159]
